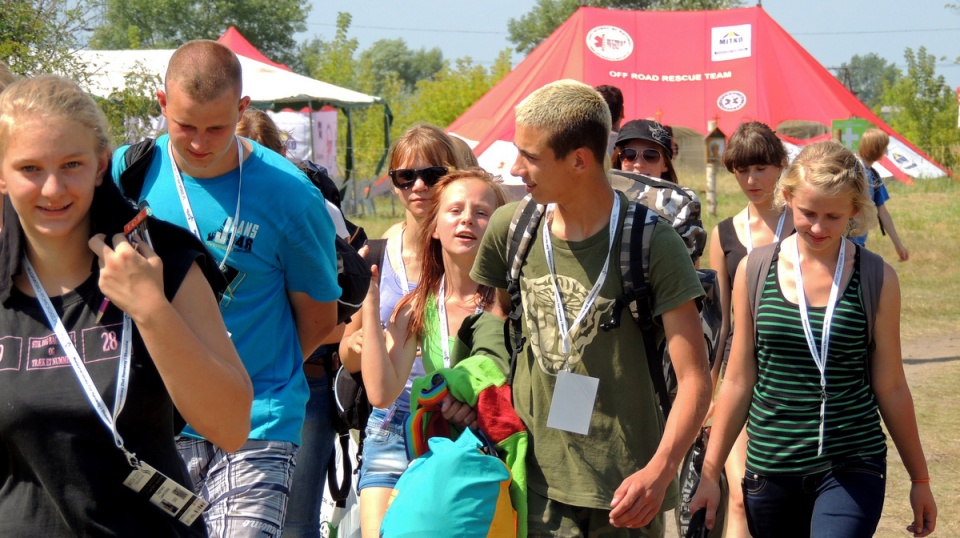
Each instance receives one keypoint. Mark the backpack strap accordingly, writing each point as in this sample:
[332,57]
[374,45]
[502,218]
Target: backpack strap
[871,284]
[758,265]
[339,491]
[635,239]
[137,159]
[522,234]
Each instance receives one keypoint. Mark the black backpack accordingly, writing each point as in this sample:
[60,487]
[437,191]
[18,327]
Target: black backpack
[353,272]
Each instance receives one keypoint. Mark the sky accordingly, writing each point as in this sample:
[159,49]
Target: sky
[831,30]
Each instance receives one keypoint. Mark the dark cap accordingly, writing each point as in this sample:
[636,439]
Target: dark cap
[646,130]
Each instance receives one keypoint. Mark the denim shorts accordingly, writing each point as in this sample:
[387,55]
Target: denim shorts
[384,450]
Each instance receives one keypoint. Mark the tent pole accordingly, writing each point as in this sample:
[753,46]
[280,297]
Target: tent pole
[313,156]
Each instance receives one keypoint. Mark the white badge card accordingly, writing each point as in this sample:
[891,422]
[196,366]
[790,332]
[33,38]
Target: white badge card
[174,499]
[573,399]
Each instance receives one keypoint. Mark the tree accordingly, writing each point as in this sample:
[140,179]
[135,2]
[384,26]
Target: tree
[269,24]
[451,92]
[924,108]
[866,76]
[531,29]
[392,56]
[38,36]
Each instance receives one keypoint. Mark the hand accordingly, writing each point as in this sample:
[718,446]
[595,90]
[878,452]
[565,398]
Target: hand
[638,499]
[707,496]
[924,509]
[131,277]
[355,341]
[902,251]
[458,413]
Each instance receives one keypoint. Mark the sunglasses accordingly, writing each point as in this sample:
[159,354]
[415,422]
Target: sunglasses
[404,178]
[650,155]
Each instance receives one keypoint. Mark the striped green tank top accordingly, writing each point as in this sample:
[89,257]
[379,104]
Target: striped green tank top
[784,420]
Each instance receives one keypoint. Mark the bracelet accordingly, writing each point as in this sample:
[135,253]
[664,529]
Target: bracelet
[920,480]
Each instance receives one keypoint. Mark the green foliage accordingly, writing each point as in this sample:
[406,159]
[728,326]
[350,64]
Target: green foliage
[130,108]
[866,76]
[392,56]
[419,86]
[332,61]
[37,36]
[924,108]
[268,24]
[531,29]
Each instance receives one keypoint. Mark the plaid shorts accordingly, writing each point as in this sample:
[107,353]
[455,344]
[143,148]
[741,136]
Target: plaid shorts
[247,489]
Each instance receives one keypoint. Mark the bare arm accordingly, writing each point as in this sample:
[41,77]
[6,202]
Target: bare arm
[887,221]
[386,357]
[718,262]
[733,402]
[187,340]
[315,320]
[896,403]
[639,498]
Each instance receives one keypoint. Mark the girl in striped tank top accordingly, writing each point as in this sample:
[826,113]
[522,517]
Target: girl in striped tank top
[801,379]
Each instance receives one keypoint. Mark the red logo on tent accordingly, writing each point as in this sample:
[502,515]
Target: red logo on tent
[610,43]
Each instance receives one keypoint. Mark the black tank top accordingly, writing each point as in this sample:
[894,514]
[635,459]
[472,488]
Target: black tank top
[733,249]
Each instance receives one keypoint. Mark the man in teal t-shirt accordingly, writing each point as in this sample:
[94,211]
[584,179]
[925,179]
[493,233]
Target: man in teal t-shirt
[266,225]
[601,461]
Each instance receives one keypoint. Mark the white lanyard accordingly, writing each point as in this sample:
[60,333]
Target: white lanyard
[594,293]
[776,237]
[820,357]
[123,373]
[444,328]
[188,210]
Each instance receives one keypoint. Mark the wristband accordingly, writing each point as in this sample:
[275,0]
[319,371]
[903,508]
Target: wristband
[920,480]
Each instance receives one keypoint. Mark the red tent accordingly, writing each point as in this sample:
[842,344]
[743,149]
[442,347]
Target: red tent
[683,68]
[235,41]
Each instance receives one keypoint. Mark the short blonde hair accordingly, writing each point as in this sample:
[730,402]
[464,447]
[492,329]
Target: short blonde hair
[572,115]
[51,96]
[204,70]
[832,170]
[873,144]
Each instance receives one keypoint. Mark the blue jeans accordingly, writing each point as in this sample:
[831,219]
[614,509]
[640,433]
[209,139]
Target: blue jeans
[842,502]
[310,474]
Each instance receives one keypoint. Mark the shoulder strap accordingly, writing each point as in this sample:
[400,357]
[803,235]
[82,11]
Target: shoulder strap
[758,265]
[871,284]
[635,239]
[137,159]
[521,235]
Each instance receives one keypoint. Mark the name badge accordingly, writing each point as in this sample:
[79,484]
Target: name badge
[177,501]
[573,399]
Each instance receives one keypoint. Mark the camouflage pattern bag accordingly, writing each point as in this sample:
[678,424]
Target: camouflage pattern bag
[679,205]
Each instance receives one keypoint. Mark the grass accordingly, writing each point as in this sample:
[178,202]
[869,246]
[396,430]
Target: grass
[927,216]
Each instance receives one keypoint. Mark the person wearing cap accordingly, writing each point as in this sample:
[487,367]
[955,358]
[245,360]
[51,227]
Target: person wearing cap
[645,147]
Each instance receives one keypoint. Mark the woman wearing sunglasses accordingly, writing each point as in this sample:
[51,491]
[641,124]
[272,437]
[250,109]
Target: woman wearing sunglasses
[418,159]
[645,147]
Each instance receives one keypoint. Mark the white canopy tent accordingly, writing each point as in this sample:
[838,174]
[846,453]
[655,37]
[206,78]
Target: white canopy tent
[266,85]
